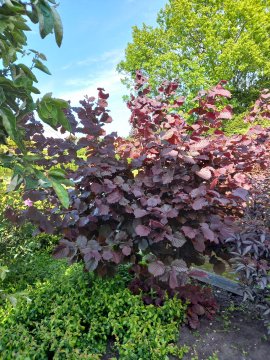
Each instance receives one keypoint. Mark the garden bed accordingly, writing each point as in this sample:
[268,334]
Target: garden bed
[237,332]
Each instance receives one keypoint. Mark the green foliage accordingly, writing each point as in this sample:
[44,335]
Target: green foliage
[202,42]
[16,79]
[18,242]
[17,87]
[236,125]
[73,315]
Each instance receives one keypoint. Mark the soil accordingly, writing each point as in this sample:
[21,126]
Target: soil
[236,333]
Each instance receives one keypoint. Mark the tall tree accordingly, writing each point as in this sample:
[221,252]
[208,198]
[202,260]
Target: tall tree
[201,42]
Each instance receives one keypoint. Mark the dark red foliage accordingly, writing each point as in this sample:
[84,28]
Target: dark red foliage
[200,300]
[250,246]
[190,188]
[261,108]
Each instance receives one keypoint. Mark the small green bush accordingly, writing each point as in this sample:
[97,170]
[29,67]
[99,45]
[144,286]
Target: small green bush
[18,242]
[74,315]
[238,126]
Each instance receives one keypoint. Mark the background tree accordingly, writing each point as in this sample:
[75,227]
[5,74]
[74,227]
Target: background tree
[201,42]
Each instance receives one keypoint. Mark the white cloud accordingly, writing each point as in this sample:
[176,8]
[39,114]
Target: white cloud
[112,57]
[109,80]
[91,73]
[109,57]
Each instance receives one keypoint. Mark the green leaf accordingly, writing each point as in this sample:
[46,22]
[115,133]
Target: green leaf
[50,110]
[3,272]
[22,25]
[39,54]
[61,192]
[28,72]
[12,299]
[45,19]
[34,90]
[30,183]
[9,122]
[58,27]
[39,65]
[32,158]
[2,96]
[62,119]
[58,173]
[67,182]
[15,183]
[33,15]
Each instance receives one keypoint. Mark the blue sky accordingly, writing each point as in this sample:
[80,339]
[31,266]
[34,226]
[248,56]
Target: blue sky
[95,36]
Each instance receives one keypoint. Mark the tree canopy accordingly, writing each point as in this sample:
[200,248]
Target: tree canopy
[201,42]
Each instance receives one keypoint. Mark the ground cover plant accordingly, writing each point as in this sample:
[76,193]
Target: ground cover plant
[74,315]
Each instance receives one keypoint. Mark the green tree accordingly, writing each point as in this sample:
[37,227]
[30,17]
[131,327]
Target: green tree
[17,87]
[201,42]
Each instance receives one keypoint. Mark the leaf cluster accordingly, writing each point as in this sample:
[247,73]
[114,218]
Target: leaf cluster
[17,88]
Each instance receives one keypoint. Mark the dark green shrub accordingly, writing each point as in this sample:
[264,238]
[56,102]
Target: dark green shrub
[73,315]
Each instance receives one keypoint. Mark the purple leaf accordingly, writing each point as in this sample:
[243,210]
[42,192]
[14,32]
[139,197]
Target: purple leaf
[198,309]
[126,250]
[207,232]
[104,209]
[153,201]
[81,241]
[173,282]
[167,178]
[91,264]
[93,245]
[177,239]
[204,173]
[107,255]
[142,230]
[199,203]
[61,251]
[156,268]
[241,193]
[83,221]
[189,232]
[138,213]
[114,197]
[179,265]
[96,188]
